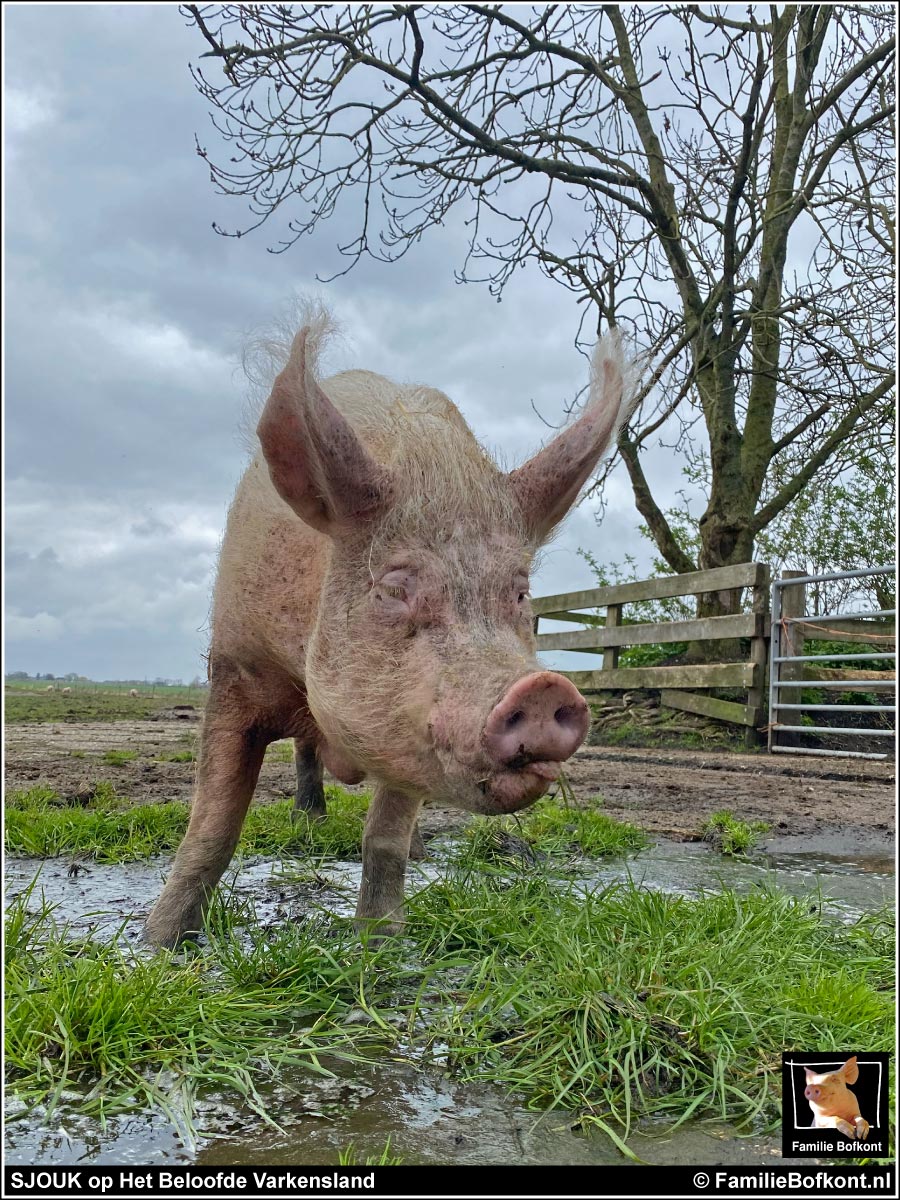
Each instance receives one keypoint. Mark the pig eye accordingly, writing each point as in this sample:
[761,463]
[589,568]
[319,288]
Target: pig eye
[521,589]
[395,592]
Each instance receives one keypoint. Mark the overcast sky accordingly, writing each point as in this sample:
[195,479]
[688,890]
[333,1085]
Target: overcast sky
[125,316]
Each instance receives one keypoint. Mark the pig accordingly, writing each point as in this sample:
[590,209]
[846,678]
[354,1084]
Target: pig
[834,1105]
[372,603]
[133,693]
[67,691]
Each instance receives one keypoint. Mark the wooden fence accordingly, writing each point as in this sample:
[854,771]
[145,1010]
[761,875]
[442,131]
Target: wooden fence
[679,685]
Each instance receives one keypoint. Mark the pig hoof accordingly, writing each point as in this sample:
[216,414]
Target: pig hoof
[168,933]
[167,937]
[300,815]
[417,849]
[862,1128]
[373,931]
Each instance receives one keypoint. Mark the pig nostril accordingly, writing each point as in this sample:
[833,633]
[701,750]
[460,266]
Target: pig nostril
[564,714]
[515,719]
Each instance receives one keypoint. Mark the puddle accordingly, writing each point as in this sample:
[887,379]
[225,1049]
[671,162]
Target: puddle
[849,885]
[102,898]
[428,1118]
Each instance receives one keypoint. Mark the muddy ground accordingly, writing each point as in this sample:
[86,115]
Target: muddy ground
[668,792]
[831,821]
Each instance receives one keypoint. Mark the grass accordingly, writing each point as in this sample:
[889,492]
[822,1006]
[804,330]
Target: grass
[349,1157]
[91,702]
[731,836]
[118,758]
[105,826]
[177,756]
[625,1003]
[281,752]
[615,1005]
[549,827]
[668,732]
[130,1031]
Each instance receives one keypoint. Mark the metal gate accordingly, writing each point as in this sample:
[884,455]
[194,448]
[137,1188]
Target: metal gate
[785,688]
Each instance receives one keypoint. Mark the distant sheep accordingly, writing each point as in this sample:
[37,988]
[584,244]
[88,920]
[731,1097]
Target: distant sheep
[67,691]
[133,692]
[49,688]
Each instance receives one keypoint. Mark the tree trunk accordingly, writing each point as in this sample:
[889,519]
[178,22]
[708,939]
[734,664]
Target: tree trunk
[724,542]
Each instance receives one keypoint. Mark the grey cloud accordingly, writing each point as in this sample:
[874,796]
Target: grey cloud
[125,320]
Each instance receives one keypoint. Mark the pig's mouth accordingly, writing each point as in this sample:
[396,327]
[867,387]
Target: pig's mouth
[491,788]
[519,783]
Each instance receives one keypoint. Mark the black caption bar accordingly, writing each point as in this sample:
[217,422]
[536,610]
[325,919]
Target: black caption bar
[519,1182]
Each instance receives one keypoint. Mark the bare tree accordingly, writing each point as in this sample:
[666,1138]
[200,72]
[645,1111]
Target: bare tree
[718,181]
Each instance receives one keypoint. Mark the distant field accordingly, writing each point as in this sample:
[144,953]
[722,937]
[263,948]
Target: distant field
[30,701]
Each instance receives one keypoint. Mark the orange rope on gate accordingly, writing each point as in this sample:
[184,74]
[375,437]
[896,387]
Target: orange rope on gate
[871,637]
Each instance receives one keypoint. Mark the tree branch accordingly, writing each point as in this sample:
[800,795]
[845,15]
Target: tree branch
[839,435]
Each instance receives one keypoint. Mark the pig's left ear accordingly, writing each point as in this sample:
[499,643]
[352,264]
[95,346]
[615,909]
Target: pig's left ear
[850,1070]
[547,485]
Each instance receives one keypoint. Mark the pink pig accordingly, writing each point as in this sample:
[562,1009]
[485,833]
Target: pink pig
[834,1105]
[372,603]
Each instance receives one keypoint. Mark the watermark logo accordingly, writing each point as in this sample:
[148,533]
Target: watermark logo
[834,1104]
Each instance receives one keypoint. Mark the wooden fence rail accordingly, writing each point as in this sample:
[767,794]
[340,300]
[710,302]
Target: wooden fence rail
[677,684]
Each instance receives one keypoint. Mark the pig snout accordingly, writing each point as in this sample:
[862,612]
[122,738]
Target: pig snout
[541,719]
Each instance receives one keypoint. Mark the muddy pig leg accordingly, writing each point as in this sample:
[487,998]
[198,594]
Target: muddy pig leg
[390,823]
[310,795]
[230,761]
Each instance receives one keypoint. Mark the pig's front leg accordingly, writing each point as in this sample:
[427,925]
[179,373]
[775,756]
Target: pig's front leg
[390,824]
[230,761]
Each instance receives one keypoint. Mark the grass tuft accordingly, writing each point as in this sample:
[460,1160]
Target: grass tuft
[130,1031]
[549,827]
[349,1157]
[100,823]
[731,836]
[625,1003]
[118,758]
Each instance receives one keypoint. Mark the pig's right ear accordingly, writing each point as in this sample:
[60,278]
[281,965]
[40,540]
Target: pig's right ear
[316,461]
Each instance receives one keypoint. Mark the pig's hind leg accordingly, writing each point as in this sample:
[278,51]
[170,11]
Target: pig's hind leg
[232,748]
[417,849]
[309,798]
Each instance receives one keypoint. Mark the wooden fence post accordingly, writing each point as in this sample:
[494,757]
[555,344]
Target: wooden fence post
[611,653]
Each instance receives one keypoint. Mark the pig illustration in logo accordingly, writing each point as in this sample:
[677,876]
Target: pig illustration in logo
[834,1105]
